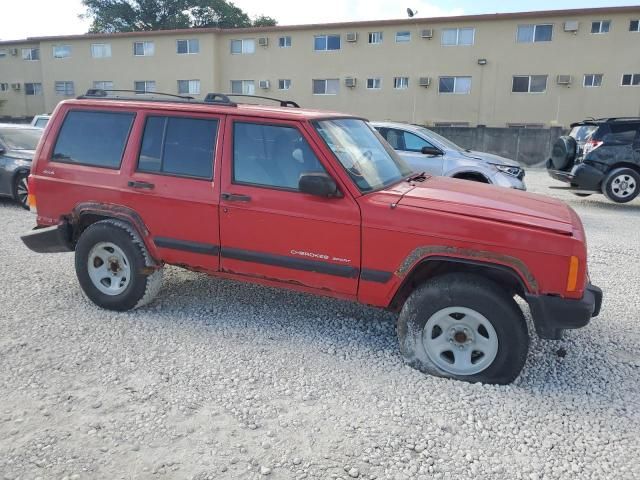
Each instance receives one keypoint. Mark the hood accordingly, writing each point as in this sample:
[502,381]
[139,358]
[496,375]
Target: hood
[490,158]
[20,154]
[505,205]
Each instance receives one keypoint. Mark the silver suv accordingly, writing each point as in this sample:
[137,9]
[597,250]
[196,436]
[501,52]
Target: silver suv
[426,151]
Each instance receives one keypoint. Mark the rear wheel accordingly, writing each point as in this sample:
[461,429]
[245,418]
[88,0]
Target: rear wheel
[464,327]
[21,189]
[621,185]
[114,268]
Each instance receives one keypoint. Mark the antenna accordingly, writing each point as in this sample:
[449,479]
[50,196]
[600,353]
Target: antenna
[411,13]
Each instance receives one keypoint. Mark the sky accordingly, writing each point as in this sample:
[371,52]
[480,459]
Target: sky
[32,18]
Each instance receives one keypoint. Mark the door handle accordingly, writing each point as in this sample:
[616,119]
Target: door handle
[235,197]
[144,185]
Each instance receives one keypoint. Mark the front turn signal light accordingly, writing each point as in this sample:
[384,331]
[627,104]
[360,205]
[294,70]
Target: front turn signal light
[572,278]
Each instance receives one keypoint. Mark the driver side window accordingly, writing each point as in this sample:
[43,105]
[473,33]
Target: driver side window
[414,143]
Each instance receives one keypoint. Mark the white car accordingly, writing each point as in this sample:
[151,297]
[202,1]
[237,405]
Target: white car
[426,151]
[40,121]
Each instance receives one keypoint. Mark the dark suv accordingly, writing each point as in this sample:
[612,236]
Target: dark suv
[600,156]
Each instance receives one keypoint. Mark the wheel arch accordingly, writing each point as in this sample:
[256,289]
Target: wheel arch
[631,165]
[506,276]
[472,175]
[86,214]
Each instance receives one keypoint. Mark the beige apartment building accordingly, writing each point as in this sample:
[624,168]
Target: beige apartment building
[531,69]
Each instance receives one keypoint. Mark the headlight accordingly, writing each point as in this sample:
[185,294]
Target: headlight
[508,169]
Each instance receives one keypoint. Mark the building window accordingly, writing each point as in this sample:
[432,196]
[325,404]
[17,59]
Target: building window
[328,86]
[403,37]
[143,49]
[103,84]
[65,88]
[460,85]
[188,46]
[374,83]
[243,87]
[458,36]
[631,79]
[601,26]
[144,86]
[189,87]
[401,83]
[592,80]
[535,33]
[323,43]
[31,54]
[284,42]
[243,47]
[634,26]
[33,89]
[100,50]
[529,84]
[375,38]
[284,84]
[4,87]
[3,52]
[61,51]
[178,146]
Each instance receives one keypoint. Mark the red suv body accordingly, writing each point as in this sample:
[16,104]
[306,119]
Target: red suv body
[311,201]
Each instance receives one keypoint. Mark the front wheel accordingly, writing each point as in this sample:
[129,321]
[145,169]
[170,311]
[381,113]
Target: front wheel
[464,327]
[621,185]
[114,268]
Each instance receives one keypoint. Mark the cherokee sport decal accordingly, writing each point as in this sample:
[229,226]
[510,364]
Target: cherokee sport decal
[319,256]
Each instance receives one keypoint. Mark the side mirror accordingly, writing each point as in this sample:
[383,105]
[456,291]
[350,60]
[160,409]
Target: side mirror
[318,184]
[430,151]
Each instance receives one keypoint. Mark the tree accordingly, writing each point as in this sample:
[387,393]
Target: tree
[138,15]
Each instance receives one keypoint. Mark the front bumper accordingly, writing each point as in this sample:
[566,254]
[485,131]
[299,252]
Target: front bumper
[552,315]
[49,239]
[582,176]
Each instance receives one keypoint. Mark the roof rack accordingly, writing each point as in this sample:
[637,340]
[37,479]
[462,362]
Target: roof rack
[223,98]
[104,93]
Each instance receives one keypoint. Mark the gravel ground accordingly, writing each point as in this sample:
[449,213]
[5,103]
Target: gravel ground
[218,379]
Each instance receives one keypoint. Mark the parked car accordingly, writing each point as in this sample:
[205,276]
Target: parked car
[311,201]
[17,147]
[427,151]
[599,156]
[40,121]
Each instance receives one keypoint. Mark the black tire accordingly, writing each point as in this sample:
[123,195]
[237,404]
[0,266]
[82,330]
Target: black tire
[145,278]
[563,153]
[21,189]
[613,184]
[479,295]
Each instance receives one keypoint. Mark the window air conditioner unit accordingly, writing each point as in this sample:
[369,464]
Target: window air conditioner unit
[350,82]
[425,81]
[14,51]
[571,26]
[427,33]
[16,86]
[263,41]
[564,79]
[265,84]
[352,36]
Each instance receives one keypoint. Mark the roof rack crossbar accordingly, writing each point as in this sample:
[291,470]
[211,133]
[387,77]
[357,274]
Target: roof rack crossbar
[224,98]
[102,93]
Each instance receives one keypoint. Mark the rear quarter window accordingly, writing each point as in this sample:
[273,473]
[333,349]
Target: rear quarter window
[96,139]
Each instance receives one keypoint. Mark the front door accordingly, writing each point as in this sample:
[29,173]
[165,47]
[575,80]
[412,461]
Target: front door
[409,147]
[268,228]
[171,184]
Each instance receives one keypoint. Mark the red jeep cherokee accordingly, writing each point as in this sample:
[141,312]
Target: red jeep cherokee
[311,201]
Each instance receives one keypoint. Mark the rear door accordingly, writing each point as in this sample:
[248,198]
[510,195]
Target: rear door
[272,231]
[172,184]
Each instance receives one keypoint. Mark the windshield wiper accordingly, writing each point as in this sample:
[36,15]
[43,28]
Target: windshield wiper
[417,176]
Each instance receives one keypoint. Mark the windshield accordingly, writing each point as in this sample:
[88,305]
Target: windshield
[582,133]
[20,138]
[443,141]
[370,162]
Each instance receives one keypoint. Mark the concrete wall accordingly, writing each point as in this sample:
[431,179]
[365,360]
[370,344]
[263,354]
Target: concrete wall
[529,146]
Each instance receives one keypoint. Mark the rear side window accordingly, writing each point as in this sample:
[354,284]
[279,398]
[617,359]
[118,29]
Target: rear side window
[97,139]
[178,146]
